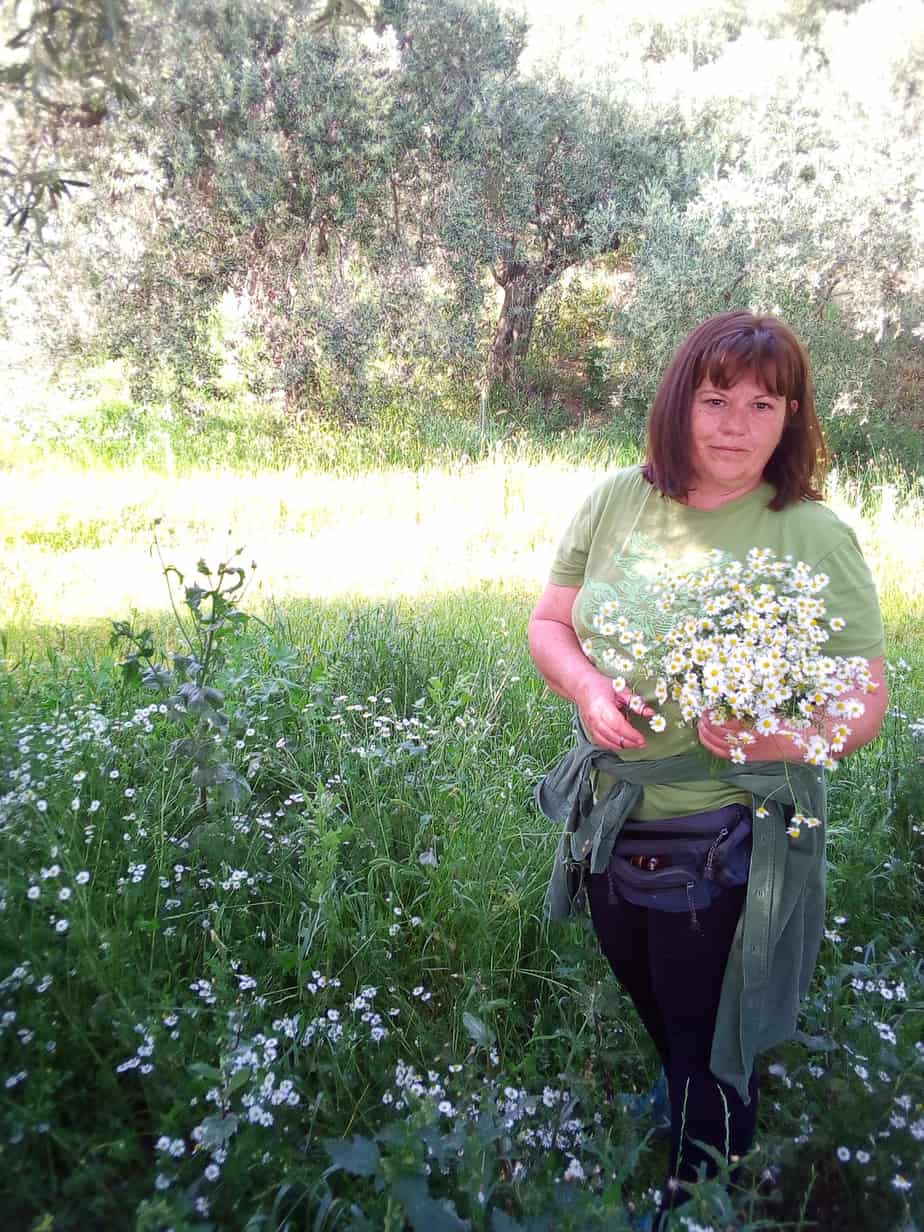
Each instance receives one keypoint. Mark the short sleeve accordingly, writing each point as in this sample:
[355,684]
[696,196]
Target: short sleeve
[851,596]
[571,554]
[621,491]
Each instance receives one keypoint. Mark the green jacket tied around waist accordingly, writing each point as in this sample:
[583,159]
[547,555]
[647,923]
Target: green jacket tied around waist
[776,943]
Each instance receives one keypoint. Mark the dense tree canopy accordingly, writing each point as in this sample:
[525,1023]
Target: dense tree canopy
[388,195]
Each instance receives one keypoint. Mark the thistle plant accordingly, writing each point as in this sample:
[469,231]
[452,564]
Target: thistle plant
[187,686]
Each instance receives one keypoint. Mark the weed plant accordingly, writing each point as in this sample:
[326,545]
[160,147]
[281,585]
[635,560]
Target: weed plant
[330,1001]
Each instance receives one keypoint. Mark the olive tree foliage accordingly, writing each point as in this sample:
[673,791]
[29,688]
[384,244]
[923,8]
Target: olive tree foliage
[201,190]
[386,203]
[535,173]
[325,157]
[65,67]
[810,205]
[267,137]
[242,167]
[387,195]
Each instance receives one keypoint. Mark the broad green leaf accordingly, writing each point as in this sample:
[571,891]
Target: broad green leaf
[816,1043]
[194,696]
[240,1079]
[157,678]
[217,1131]
[358,1156]
[478,1030]
[425,1213]
[201,1069]
[234,790]
[209,775]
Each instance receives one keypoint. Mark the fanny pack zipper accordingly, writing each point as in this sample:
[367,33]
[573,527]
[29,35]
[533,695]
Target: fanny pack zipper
[654,836]
[690,886]
[710,858]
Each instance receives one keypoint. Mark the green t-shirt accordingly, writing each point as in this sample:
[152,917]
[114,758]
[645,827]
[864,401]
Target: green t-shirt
[620,539]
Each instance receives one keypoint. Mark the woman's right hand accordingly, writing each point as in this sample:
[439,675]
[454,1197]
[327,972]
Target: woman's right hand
[568,672]
[604,714]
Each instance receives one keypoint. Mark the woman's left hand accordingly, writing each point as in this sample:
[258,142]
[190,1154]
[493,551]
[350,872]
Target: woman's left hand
[720,738]
[860,730]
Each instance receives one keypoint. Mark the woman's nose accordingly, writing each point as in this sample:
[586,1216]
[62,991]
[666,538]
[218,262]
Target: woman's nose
[735,419]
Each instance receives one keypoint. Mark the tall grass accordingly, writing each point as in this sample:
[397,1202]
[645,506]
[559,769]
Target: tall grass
[99,426]
[209,1018]
[334,1004]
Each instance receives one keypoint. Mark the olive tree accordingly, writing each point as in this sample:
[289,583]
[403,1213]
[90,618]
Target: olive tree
[810,206]
[65,71]
[364,193]
[524,175]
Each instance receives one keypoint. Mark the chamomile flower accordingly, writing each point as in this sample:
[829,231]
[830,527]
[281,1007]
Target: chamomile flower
[744,636]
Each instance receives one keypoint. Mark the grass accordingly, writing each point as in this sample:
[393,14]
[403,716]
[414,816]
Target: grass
[385,534]
[90,422]
[75,541]
[334,1004]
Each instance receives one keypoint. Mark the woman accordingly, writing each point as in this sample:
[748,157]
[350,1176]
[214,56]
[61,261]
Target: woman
[715,966]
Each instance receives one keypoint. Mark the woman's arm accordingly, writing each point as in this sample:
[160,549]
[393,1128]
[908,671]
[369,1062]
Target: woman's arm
[714,736]
[568,672]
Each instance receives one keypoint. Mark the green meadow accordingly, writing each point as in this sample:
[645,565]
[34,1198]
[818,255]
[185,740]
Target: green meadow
[273,954]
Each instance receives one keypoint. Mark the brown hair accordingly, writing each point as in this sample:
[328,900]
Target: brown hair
[723,349]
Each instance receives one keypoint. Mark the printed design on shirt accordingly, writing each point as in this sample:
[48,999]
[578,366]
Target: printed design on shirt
[620,611]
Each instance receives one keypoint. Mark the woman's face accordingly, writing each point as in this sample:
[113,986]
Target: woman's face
[733,433]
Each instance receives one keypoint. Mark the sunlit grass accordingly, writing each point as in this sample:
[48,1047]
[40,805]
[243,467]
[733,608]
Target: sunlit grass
[76,542]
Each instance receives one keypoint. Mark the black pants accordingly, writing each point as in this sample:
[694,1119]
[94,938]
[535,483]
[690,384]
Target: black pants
[674,976]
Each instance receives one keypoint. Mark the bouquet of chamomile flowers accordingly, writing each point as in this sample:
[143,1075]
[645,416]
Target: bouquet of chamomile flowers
[741,640]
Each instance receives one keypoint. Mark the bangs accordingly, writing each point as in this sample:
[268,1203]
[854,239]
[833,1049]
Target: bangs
[760,354]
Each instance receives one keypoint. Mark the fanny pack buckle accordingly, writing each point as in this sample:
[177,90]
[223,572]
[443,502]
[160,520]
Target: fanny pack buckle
[650,864]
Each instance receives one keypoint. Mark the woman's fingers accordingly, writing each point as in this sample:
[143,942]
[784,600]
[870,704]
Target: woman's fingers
[609,739]
[608,726]
[605,714]
[633,702]
[720,738]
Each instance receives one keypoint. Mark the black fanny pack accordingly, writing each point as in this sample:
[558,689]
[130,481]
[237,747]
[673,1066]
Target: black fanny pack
[681,863]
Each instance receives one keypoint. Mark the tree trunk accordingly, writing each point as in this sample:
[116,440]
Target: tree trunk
[514,327]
